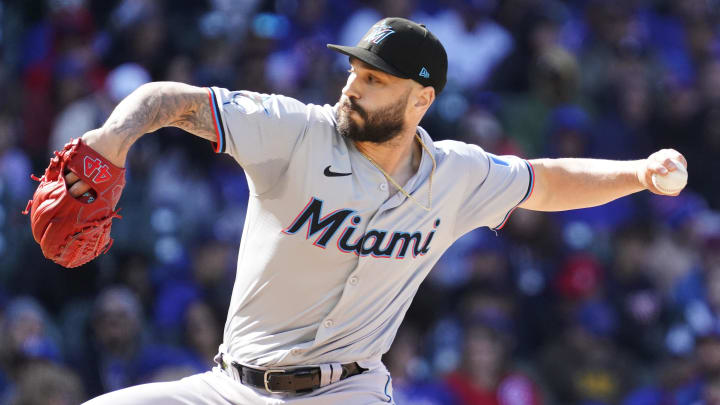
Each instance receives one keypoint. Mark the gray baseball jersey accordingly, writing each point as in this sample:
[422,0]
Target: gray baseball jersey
[330,260]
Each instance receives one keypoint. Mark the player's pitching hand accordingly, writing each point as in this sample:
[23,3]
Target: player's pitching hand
[103,144]
[661,164]
[76,187]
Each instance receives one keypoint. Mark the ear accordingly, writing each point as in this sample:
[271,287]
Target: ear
[424,97]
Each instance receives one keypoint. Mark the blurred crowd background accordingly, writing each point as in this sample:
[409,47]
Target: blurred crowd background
[618,304]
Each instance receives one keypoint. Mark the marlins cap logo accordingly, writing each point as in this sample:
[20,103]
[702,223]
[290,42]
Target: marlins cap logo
[379,33]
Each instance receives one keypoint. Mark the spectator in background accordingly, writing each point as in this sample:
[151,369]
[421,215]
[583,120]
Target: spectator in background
[572,133]
[27,334]
[475,43]
[301,65]
[569,132]
[479,126]
[711,391]
[554,79]
[14,163]
[691,119]
[534,26]
[48,384]
[703,384]
[487,376]
[106,363]
[368,13]
[213,261]
[665,384]
[202,332]
[91,112]
[15,190]
[118,354]
[625,110]
[711,264]
[59,66]
[133,271]
[583,364]
[412,381]
[635,295]
[207,279]
[611,27]
[140,35]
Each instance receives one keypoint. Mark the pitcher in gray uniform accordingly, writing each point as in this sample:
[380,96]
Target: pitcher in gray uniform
[350,207]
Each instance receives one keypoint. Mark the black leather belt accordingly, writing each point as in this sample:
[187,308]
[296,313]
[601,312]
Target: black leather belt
[286,380]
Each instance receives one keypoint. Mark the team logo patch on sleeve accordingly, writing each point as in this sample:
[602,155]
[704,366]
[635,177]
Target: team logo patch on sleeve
[250,103]
[497,160]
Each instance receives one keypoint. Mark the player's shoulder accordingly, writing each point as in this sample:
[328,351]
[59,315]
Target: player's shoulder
[313,112]
[325,114]
[457,150]
[274,105]
[316,114]
[319,121]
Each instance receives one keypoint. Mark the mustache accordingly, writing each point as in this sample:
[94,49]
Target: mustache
[350,104]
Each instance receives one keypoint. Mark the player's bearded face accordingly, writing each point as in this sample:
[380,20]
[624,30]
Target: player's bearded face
[377,126]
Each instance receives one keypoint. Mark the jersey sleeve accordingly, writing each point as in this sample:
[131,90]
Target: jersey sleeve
[259,130]
[496,186]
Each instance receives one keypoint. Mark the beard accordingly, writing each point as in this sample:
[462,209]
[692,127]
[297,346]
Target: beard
[378,127]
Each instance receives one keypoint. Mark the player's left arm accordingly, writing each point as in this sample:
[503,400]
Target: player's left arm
[569,183]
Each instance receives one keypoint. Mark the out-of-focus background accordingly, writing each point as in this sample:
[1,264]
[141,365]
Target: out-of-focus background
[618,304]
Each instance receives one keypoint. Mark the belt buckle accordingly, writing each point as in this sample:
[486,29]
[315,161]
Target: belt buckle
[266,380]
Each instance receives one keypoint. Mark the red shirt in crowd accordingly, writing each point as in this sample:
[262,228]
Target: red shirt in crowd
[513,389]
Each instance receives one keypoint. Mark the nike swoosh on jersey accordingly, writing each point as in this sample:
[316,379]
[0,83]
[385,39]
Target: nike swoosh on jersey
[329,173]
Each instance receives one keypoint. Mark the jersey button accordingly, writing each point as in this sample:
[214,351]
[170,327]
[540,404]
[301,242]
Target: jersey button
[295,352]
[383,186]
[328,323]
[353,280]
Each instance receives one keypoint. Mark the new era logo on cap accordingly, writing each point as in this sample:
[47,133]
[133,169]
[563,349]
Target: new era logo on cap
[424,73]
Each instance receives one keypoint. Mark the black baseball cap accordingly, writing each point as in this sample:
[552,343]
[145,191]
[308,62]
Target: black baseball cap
[402,48]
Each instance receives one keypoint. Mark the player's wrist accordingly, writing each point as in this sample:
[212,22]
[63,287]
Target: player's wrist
[107,145]
[640,167]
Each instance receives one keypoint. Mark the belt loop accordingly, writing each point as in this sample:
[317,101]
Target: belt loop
[325,374]
[336,372]
[235,372]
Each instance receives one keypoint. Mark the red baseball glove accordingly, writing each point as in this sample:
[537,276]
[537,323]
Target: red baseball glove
[72,231]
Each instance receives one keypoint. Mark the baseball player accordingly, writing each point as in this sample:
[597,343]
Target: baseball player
[350,207]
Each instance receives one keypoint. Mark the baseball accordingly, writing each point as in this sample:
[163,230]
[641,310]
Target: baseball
[672,182]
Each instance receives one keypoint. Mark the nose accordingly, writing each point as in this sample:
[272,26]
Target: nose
[351,87]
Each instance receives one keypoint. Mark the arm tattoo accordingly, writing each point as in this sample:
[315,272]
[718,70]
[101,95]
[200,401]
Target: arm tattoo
[158,105]
[198,118]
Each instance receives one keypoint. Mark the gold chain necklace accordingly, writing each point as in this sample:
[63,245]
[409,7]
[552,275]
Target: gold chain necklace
[402,190]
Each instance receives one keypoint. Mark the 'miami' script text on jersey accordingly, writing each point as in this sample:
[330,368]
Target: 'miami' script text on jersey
[370,243]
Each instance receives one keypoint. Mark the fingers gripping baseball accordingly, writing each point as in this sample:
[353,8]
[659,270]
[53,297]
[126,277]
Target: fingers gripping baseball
[664,172]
